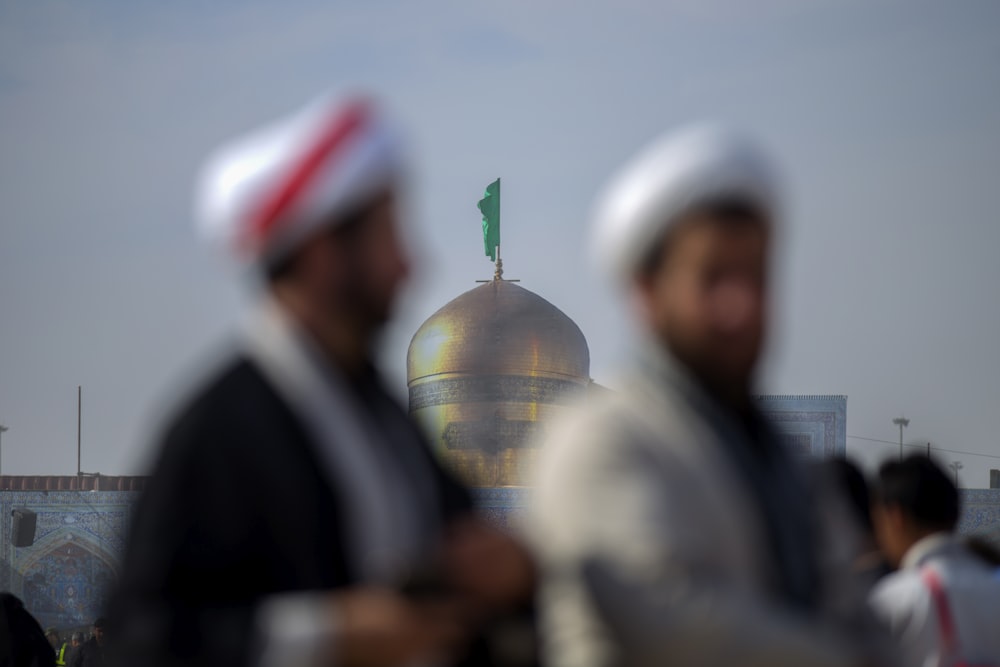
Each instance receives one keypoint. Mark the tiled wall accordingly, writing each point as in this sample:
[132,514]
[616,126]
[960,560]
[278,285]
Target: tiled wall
[79,540]
[811,426]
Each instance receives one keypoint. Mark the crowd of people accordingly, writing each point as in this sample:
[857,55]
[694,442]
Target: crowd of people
[296,516]
[24,644]
[79,650]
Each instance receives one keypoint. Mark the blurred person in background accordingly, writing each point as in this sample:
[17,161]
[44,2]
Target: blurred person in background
[982,547]
[76,641]
[58,645]
[943,603]
[850,481]
[672,526]
[93,652]
[295,515]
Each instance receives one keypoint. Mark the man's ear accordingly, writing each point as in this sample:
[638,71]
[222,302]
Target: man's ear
[882,522]
[642,285]
[891,516]
[316,257]
[899,519]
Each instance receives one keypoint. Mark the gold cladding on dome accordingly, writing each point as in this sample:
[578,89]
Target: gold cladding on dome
[486,371]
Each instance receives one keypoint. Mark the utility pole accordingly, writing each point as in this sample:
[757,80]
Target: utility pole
[79,425]
[3,429]
[902,422]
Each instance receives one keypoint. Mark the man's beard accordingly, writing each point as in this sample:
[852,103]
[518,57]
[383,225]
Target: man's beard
[730,383]
[369,311]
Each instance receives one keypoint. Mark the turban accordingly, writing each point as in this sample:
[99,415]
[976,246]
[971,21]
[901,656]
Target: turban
[674,175]
[261,195]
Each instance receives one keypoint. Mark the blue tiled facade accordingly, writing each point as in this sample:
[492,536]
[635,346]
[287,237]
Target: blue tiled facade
[811,426]
[79,540]
[980,512]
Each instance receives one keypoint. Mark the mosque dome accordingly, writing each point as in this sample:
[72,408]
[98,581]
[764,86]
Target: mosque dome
[486,372]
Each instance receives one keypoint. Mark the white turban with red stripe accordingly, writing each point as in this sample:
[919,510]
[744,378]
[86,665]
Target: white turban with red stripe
[262,194]
[671,176]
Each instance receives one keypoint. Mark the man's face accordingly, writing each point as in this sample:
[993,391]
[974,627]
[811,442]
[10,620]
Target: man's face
[98,635]
[377,264]
[707,298]
[354,272]
[891,534]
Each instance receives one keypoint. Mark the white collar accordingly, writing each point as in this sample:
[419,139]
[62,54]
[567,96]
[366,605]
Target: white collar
[925,548]
[389,506]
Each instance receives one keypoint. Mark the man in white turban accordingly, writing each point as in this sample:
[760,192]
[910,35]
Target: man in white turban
[672,527]
[295,516]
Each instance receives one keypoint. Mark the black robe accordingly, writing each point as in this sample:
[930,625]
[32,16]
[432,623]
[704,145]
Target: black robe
[238,509]
[22,642]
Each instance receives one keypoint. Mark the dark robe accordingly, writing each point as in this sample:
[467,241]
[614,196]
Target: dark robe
[22,642]
[238,509]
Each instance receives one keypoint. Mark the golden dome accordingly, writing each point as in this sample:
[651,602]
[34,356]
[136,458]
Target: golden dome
[486,371]
[498,327]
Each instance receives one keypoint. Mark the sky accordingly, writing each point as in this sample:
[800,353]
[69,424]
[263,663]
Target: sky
[883,116]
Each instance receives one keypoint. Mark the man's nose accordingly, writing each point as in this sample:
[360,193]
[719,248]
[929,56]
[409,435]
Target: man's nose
[737,305]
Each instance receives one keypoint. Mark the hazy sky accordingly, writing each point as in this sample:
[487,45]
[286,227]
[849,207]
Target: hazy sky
[885,117]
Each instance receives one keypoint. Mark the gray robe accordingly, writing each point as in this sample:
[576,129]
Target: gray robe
[659,522]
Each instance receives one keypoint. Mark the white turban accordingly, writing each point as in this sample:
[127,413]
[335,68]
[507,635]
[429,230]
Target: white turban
[675,174]
[262,194]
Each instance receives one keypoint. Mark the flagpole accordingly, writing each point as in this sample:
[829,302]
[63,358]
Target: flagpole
[498,274]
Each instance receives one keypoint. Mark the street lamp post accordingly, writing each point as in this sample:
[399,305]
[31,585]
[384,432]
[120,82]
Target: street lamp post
[902,422]
[3,429]
[956,466]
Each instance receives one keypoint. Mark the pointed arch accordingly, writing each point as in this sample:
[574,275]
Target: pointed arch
[65,579]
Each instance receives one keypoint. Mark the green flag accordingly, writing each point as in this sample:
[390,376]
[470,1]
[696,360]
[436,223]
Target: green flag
[489,206]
